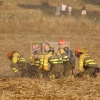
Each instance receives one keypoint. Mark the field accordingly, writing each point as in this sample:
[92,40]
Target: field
[26,21]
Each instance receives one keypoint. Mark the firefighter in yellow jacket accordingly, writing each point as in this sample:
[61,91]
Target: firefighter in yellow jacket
[35,63]
[51,63]
[87,66]
[19,64]
[57,67]
[68,67]
[44,60]
[40,60]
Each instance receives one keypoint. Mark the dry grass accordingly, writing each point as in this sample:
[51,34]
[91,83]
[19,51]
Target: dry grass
[28,15]
[42,89]
[19,26]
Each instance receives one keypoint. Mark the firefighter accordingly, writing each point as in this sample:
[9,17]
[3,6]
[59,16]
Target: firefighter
[40,62]
[19,65]
[55,62]
[44,60]
[68,66]
[35,60]
[87,66]
[51,64]
[35,63]
[57,67]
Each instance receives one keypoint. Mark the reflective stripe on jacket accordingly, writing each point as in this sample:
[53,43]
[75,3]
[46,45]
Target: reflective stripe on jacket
[21,59]
[65,57]
[15,57]
[37,62]
[56,59]
[15,70]
[18,58]
[85,60]
[44,61]
[89,61]
[41,61]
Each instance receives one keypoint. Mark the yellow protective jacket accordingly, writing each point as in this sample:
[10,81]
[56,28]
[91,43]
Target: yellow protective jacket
[56,59]
[44,64]
[18,58]
[37,62]
[65,57]
[64,54]
[85,60]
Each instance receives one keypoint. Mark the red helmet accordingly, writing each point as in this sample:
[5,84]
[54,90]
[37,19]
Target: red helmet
[61,42]
[77,51]
[9,54]
[46,47]
[35,47]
